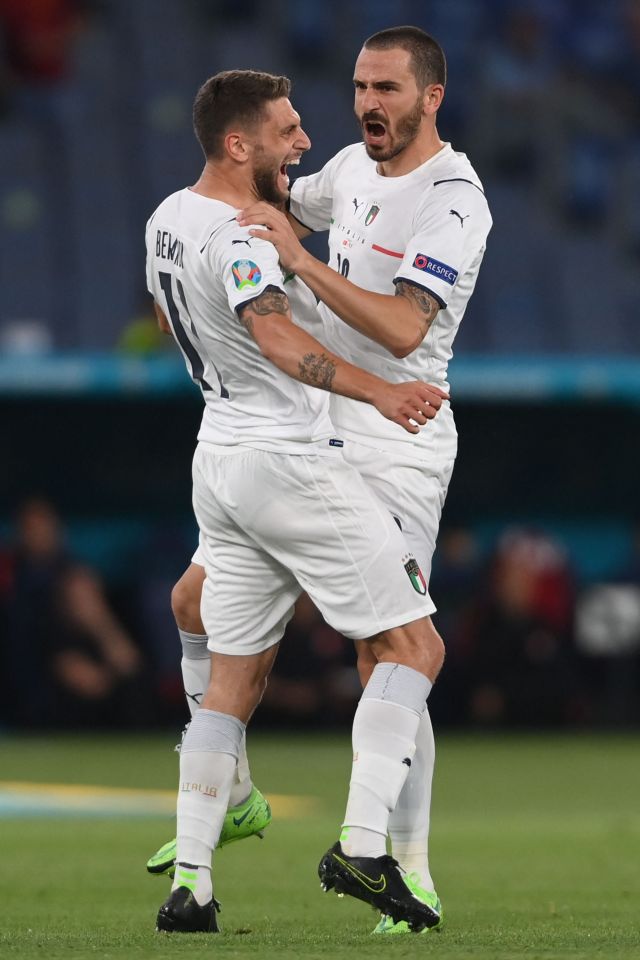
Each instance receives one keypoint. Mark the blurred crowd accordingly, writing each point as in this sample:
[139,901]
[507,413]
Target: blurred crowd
[95,101]
[67,659]
[527,644]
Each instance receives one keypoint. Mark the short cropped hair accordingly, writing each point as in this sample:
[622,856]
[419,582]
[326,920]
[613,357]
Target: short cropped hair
[428,62]
[230,97]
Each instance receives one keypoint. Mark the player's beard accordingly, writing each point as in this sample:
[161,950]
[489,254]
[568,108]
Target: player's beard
[407,130]
[265,182]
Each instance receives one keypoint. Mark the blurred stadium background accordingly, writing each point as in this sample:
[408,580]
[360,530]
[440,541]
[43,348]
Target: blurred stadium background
[537,573]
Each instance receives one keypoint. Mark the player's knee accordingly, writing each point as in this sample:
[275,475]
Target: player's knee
[364,672]
[256,689]
[430,650]
[366,663]
[261,688]
[179,603]
[185,605]
[418,645]
[437,652]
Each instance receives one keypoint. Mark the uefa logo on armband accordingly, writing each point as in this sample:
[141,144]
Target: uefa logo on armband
[436,268]
[246,273]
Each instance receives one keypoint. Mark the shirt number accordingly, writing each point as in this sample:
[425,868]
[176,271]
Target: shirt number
[193,357]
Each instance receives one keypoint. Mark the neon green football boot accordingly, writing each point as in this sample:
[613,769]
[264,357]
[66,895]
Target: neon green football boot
[430,897]
[246,820]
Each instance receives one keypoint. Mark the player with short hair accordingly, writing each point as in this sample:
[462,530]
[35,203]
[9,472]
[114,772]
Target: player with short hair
[278,508]
[408,222]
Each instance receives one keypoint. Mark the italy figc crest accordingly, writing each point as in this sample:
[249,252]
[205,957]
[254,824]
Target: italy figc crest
[414,573]
[372,213]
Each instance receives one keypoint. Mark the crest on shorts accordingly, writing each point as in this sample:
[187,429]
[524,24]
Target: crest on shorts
[246,273]
[414,573]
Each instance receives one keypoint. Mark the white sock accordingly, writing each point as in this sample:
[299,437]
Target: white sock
[384,734]
[360,842]
[242,783]
[409,821]
[208,760]
[196,667]
[197,879]
[196,673]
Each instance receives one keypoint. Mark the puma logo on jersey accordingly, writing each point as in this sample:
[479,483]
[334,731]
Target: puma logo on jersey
[241,241]
[356,205]
[454,213]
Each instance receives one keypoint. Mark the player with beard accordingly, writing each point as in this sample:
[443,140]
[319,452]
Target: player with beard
[408,222]
[278,508]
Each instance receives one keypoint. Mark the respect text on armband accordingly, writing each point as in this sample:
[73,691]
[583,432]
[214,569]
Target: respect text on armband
[435,268]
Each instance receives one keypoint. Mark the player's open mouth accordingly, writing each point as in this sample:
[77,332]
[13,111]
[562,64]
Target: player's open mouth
[374,131]
[283,168]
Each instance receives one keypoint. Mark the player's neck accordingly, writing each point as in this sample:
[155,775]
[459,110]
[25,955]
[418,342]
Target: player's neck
[224,185]
[423,148]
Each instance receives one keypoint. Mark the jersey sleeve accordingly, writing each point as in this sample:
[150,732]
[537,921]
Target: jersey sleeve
[246,265]
[311,199]
[450,229]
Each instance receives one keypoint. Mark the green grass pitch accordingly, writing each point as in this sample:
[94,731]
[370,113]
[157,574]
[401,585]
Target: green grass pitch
[535,848]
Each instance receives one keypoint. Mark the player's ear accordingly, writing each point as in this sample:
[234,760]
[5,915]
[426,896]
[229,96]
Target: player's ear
[237,147]
[432,98]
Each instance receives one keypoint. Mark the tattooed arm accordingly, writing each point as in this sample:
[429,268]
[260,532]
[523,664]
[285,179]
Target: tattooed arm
[424,304]
[399,323]
[268,320]
[297,353]
[271,301]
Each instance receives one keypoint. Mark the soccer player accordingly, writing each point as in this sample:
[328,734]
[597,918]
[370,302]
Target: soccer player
[408,222]
[278,507]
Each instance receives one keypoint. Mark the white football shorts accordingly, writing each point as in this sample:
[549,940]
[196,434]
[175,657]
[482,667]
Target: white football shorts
[413,490]
[274,524]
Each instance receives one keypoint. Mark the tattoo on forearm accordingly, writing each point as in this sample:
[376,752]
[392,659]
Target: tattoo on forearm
[271,301]
[427,305]
[317,370]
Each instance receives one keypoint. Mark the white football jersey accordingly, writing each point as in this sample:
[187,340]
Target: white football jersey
[201,267]
[428,227]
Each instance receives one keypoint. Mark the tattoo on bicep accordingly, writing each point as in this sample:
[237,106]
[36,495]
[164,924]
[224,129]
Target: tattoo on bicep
[427,305]
[246,319]
[317,370]
[271,301]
